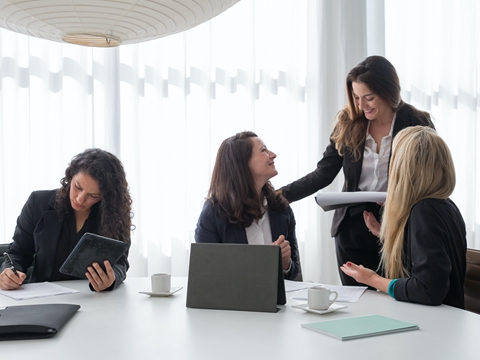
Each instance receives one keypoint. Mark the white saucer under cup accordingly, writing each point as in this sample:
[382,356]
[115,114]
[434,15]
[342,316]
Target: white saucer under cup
[161,283]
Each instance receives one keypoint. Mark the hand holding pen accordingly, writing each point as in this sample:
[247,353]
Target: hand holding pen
[10,278]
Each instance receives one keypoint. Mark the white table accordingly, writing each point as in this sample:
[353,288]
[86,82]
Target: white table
[124,324]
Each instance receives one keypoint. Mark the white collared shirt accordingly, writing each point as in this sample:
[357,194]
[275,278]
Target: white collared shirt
[375,166]
[260,233]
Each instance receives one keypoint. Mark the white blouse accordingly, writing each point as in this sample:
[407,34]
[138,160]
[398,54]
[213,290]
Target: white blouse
[375,166]
[259,233]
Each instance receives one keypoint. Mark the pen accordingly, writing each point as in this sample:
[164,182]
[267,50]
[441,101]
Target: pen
[10,262]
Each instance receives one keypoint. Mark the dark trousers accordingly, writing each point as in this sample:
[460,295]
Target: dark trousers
[355,243]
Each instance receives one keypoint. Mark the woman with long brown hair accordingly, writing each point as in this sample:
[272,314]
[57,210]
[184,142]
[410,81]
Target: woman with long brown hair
[360,144]
[242,206]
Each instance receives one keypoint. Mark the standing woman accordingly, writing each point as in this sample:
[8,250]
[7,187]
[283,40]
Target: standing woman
[94,197]
[361,145]
[242,206]
[423,233]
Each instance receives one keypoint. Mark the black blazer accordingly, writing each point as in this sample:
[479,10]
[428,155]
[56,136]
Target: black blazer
[37,234]
[211,228]
[331,163]
[435,255]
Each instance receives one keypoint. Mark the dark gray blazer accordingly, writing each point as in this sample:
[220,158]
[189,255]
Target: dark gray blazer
[435,250]
[331,164]
[37,234]
[211,228]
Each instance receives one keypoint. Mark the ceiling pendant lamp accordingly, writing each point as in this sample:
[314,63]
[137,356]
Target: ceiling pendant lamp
[106,23]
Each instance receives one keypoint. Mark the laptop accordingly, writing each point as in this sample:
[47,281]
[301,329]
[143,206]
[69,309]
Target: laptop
[235,277]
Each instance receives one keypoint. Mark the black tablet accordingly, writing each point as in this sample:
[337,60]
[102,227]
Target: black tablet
[92,248]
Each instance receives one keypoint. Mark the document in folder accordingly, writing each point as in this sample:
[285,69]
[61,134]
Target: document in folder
[335,200]
[34,321]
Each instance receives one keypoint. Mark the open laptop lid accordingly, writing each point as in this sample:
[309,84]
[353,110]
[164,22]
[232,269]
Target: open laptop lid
[235,277]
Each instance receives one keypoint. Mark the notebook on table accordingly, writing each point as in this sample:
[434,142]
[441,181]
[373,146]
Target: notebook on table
[92,248]
[235,277]
[360,326]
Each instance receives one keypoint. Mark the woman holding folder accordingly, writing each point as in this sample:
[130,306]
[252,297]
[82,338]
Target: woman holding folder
[422,233]
[94,197]
[361,144]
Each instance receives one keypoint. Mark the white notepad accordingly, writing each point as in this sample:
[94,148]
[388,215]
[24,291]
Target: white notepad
[37,290]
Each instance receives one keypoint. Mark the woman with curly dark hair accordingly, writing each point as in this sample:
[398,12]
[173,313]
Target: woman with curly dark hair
[94,197]
[242,206]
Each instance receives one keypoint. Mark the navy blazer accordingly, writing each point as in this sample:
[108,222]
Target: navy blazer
[211,228]
[37,234]
[331,164]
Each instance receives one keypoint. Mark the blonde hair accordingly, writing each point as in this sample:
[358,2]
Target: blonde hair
[421,167]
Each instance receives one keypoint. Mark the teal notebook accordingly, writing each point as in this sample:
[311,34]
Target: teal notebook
[360,327]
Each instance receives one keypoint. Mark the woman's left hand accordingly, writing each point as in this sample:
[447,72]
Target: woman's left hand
[286,251]
[371,222]
[100,279]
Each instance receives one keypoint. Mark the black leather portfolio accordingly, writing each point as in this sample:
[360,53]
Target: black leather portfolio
[235,277]
[34,321]
[92,248]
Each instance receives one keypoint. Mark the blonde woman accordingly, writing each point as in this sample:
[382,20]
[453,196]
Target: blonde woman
[422,231]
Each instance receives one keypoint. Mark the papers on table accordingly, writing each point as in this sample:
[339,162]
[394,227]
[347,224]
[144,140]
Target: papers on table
[334,200]
[345,293]
[37,290]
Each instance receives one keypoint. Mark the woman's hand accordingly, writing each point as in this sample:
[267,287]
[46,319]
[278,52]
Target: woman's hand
[10,281]
[365,276]
[100,279]
[286,251]
[372,224]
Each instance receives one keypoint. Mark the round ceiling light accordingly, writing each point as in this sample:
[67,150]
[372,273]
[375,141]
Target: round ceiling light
[106,23]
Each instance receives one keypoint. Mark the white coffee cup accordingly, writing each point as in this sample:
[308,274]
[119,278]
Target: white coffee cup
[319,298]
[160,283]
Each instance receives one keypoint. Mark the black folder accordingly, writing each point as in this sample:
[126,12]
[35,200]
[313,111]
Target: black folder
[235,277]
[92,248]
[25,322]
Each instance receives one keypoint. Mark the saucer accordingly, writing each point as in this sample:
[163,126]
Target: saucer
[332,308]
[172,291]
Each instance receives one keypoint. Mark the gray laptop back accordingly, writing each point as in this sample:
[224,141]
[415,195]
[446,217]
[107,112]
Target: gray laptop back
[235,277]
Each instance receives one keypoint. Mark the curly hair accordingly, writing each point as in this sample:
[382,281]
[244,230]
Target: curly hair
[115,207]
[232,188]
[380,76]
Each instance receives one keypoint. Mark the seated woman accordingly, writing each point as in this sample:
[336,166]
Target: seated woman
[94,197]
[242,207]
[422,231]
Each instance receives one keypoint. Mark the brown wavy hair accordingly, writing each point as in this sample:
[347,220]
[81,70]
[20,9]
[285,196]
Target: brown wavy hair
[379,75]
[115,207]
[232,188]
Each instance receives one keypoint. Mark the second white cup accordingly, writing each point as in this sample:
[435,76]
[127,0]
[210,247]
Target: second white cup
[319,298]
[161,283]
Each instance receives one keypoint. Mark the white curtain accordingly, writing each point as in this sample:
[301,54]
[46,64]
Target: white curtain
[276,67]
[434,47]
